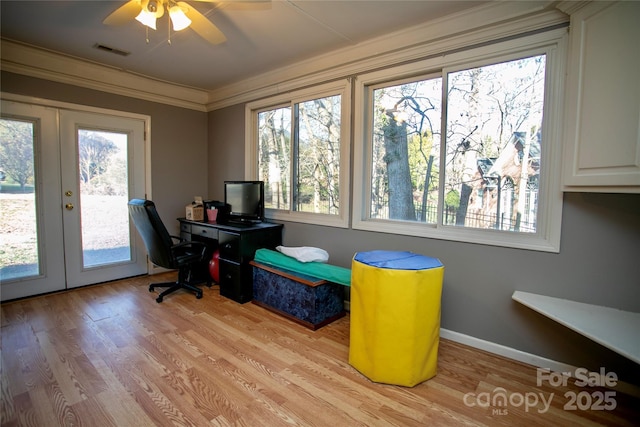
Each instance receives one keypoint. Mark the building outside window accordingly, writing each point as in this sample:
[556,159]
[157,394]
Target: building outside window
[463,149]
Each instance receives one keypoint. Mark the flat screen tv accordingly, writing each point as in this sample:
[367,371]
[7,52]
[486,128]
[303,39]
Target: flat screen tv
[245,200]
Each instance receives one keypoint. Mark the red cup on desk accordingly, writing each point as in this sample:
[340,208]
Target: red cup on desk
[212,215]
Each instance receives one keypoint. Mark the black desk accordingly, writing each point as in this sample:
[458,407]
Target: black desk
[237,245]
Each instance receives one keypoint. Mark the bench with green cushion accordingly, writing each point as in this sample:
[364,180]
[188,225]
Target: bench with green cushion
[309,293]
[319,270]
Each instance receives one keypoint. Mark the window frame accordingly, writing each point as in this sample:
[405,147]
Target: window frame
[343,89]
[547,236]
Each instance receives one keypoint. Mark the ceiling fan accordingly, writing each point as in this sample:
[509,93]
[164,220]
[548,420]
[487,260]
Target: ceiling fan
[181,15]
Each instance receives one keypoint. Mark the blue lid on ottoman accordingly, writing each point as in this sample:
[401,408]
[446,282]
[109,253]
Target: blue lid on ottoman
[397,260]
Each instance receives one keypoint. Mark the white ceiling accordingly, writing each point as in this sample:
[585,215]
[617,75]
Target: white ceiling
[258,40]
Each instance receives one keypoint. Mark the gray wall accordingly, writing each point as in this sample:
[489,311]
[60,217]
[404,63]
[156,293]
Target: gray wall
[598,263]
[179,148]
[226,155]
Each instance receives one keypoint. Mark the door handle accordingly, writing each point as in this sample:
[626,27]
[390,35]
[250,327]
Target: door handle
[69,206]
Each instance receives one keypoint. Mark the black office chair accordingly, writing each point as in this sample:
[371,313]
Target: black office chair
[184,256]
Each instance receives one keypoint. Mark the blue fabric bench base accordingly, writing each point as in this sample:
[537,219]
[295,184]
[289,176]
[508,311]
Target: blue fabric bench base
[306,300]
[318,270]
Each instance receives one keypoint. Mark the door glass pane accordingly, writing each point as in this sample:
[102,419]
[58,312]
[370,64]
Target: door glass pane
[102,163]
[19,255]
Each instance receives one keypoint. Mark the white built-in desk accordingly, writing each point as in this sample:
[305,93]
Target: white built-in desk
[618,330]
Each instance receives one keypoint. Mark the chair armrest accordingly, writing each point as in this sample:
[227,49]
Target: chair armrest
[188,243]
[185,244]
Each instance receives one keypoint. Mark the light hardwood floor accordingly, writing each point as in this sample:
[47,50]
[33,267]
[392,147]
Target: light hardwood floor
[109,355]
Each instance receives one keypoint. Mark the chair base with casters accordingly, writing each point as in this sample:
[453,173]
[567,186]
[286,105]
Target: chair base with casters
[181,283]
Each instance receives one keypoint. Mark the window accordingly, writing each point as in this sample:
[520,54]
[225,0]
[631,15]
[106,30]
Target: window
[464,147]
[301,146]
[494,120]
[406,150]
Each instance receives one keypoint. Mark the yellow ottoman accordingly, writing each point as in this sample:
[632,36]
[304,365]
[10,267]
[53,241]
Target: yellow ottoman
[395,316]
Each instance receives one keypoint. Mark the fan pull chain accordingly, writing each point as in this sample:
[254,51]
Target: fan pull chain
[147,37]
[169,30]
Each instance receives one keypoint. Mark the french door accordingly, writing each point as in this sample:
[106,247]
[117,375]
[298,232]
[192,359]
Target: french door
[67,177]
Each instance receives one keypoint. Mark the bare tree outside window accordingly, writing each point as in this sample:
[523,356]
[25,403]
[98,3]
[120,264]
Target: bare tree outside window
[274,159]
[16,151]
[406,147]
[102,168]
[491,154]
[318,156]
[19,255]
[305,152]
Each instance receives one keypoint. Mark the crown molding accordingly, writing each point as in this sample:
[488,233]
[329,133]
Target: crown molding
[483,24]
[31,61]
[476,26]
[572,6]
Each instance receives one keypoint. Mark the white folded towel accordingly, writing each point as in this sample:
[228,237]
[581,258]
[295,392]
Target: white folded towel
[305,253]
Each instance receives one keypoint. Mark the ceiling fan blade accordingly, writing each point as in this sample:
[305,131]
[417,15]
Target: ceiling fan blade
[201,25]
[240,4]
[124,14]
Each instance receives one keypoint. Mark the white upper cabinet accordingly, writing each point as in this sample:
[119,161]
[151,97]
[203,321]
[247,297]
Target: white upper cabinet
[602,133]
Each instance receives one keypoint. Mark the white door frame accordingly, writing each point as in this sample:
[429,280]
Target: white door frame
[51,275]
[51,279]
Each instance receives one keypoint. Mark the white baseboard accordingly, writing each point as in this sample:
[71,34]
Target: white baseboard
[528,358]
[501,350]
[154,269]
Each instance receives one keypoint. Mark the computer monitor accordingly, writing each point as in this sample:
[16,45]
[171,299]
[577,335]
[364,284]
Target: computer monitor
[245,200]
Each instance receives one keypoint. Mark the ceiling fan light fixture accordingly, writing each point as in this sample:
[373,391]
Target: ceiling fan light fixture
[147,18]
[179,20]
[151,11]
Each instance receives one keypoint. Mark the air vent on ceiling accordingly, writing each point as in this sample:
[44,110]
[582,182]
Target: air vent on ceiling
[111,49]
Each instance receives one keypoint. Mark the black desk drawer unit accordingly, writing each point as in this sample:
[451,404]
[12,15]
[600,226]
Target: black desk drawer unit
[237,246]
[204,232]
[230,244]
[232,277]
